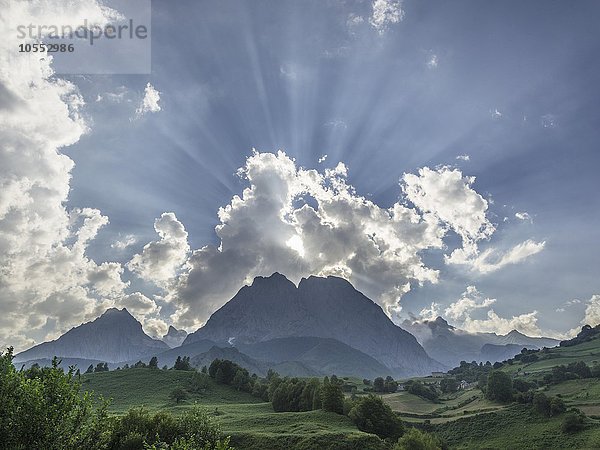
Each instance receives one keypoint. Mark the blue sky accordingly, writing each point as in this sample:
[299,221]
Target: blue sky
[512,85]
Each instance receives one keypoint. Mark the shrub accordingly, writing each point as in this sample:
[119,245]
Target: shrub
[372,415]
[44,408]
[572,423]
[415,439]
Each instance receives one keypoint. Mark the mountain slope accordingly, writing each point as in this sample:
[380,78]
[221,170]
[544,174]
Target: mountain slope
[319,307]
[114,336]
[323,356]
[450,345]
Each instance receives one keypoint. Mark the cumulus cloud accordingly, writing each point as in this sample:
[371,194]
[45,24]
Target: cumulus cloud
[149,103]
[161,260]
[46,276]
[303,222]
[431,312]
[385,13]
[592,311]
[471,301]
[448,196]
[463,157]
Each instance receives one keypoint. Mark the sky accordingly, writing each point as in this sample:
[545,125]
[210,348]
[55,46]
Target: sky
[441,156]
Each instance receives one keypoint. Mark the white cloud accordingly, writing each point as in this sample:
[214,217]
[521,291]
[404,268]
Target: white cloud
[126,241]
[161,260]
[524,216]
[461,313]
[463,157]
[491,260]
[592,311]
[470,300]
[149,103]
[301,222]
[322,159]
[385,13]
[431,312]
[45,274]
[432,63]
[448,196]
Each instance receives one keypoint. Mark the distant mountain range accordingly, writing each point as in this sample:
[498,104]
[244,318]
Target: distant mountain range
[113,337]
[450,345]
[322,326]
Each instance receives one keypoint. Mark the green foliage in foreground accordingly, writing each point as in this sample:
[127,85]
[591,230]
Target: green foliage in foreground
[43,408]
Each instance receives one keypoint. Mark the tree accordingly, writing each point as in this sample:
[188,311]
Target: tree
[332,398]
[153,364]
[372,415]
[46,409]
[90,369]
[241,380]
[448,385]
[101,367]
[572,423]
[178,394]
[415,439]
[499,387]
[182,363]
[542,404]
[378,384]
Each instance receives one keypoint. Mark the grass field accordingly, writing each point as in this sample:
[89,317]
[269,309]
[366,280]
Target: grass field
[516,427]
[252,424]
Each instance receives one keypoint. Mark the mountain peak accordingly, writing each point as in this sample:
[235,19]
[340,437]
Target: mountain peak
[330,307]
[515,333]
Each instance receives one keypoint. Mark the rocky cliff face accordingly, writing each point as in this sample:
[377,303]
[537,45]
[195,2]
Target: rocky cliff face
[113,337]
[329,307]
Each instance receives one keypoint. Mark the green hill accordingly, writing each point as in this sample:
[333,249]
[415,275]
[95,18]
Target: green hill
[252,424]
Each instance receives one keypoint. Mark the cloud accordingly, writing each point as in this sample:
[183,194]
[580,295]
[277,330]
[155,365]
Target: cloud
[125,242]
[302,222]
[524,216]
[46,278]
[431,312]
[432,62]
[449,197]
[491,260]
[463,157]
[150,101]
[322,159]
[161,260]
[385,13]
[592,311]
[471,301]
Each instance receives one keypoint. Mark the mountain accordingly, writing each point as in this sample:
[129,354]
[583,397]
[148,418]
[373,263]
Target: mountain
[273,307]
[174,337]
[232,354]
[450,345]
[323,356]
[515,337]
[114,336]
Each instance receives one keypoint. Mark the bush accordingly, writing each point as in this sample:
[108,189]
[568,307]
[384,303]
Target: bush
[415,439]
[372,415]
[44,409]
[194,430]
[499,387]
[572,423]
